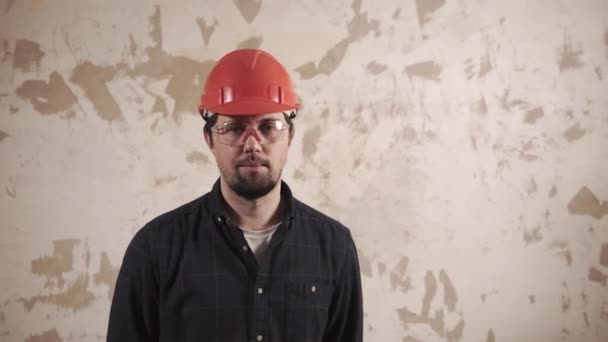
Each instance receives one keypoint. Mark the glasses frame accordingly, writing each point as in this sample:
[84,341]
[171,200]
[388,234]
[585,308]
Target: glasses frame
[220,130]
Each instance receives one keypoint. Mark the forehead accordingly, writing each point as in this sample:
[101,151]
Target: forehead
[248,118]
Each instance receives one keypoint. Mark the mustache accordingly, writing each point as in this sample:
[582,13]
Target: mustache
[252,160]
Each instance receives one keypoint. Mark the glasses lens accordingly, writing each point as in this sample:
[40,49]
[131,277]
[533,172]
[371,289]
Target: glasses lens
[229,133]
[271,130]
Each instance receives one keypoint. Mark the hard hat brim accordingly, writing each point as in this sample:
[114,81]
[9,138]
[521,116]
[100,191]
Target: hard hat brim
[252,107]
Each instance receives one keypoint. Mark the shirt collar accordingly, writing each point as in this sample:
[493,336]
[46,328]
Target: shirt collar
[219,206]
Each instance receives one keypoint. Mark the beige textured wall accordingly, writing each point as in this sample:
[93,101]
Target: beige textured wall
[464,142]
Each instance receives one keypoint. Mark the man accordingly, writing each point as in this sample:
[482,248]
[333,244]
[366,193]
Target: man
[246,261]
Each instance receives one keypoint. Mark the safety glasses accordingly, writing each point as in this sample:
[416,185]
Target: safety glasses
[236,133]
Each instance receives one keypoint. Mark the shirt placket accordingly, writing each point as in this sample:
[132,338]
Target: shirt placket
[259,280]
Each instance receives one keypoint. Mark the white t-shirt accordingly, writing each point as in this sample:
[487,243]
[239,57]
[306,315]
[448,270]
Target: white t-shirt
[258,240]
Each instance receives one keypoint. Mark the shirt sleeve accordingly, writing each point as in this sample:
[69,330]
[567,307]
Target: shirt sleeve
[345,317]
[134,312]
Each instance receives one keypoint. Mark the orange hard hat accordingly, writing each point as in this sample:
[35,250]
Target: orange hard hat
[248,82]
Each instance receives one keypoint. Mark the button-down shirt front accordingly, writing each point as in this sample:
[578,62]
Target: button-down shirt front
[189,276]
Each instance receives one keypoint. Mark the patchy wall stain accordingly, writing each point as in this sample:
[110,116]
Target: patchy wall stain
[5,52]
[160,181]
[307,71]
[430,284]
[565,303]
[530,235]
[574,133]
[9,4]
[250,43]
[586,203]
[27,55]
[3,135]
[436,323]
[598,73]
[425,9]
[408,134]
[604,313]
[485,66]
[93,80]
[569,56]
[13,109]
[534,114]
[525,149]
[106,274]
[490,337]
[196,157]
[396,14]
[532,187]
[365,264]
[507,104]
[12,191]
[159,106]
[532,299]
[48,98]
[567,255]
[428,70]
[553,191]
[47,336]
[249,9]
[310,141]
[156,32]
[332,58]
[449,292]
[132,46]
[382,268]
[455,334]
[53,267]
[185,75]
[604,255]
[76,297]
[398,276]
[481,107]
[206,29]
[597,276]
[358,27]
[375,68]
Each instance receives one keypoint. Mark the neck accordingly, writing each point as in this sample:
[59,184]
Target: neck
[256,214]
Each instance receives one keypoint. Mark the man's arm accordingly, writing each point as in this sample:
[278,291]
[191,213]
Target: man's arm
[134,311]
[345,317]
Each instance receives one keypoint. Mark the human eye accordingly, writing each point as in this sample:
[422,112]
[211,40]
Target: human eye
[272,126]
[233,128]
[267,127]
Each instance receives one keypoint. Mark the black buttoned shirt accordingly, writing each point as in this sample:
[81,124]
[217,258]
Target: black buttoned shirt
[189,275]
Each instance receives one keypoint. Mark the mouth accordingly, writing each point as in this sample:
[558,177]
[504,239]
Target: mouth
[251,165]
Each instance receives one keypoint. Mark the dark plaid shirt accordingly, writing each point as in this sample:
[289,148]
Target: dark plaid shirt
[189,275]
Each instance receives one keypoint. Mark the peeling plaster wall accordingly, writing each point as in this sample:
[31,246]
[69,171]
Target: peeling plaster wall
[465,143]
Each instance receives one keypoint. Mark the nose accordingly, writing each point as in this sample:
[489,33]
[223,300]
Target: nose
[252,141]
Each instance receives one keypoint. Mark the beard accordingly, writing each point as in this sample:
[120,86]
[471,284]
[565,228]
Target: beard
[252,185]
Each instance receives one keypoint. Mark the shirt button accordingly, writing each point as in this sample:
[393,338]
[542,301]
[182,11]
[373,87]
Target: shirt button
[260,337]
[313,289]
[219,219]
[244,248]
[260,291]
